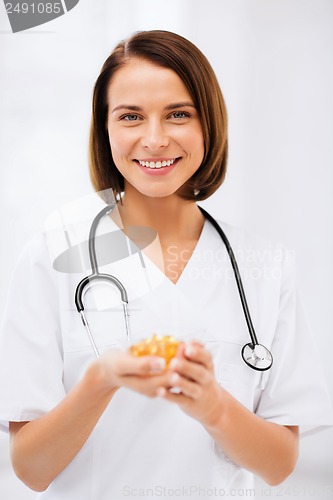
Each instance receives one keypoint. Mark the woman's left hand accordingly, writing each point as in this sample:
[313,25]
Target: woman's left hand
[192,373]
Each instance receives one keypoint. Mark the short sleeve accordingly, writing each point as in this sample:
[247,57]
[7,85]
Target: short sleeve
[295,391]
[31,365]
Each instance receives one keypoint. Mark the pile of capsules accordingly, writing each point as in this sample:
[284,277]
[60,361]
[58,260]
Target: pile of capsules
[164,346]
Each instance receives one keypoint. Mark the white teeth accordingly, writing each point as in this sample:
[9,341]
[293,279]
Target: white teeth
[158,164]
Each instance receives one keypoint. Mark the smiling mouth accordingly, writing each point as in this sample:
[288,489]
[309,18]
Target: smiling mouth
[157,164]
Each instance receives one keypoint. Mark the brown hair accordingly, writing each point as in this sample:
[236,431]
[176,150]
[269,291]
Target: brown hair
[171,51]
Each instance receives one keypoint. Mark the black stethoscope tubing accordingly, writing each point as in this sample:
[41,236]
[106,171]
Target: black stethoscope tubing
[95,274]
[232,257]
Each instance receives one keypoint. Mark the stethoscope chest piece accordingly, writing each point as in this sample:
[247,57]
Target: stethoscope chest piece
[257,356]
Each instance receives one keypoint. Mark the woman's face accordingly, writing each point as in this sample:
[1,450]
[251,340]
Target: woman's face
[154,130]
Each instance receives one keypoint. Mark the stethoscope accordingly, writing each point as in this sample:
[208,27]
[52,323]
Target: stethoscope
[255,355]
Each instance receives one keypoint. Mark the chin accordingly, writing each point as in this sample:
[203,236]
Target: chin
[158,193]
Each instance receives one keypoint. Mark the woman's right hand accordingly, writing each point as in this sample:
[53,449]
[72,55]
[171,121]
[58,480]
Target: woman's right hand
[144,374]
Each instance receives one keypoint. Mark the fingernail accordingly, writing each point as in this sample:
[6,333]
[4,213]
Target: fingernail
[189,351]
[161,392]
[175,378]
[174,363]
[157,364]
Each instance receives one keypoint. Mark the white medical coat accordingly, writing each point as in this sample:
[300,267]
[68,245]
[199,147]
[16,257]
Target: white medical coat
[149,447]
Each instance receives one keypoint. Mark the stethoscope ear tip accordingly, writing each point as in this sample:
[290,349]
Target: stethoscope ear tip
[257,356]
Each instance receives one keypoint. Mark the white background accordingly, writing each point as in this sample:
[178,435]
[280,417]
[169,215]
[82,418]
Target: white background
[274,61]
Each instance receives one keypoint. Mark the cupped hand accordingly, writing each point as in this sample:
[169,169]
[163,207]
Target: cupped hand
[198,394]
[144,374]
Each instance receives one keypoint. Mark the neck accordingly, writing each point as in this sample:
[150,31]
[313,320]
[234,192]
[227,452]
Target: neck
[171,216]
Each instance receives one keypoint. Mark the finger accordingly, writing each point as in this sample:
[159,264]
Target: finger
[147,385]
[124,363]
[187,387]
[190,370]
[182,347]
[196,352]
[179,399]
[143,365]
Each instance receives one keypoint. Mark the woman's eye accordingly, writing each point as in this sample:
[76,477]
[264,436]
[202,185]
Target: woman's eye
[180,114]
[130,118]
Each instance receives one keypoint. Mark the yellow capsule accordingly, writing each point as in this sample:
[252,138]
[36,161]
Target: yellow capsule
[162,346]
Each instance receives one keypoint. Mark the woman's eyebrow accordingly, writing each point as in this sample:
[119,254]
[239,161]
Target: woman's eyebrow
[126,106]
[177,105]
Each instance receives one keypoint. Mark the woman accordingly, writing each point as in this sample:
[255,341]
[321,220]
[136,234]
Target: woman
[83,427]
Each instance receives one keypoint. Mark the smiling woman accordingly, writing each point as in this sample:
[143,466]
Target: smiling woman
[85,428]
[158,64]
[163,139]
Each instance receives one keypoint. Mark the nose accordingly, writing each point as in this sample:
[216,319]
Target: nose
[154,136]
